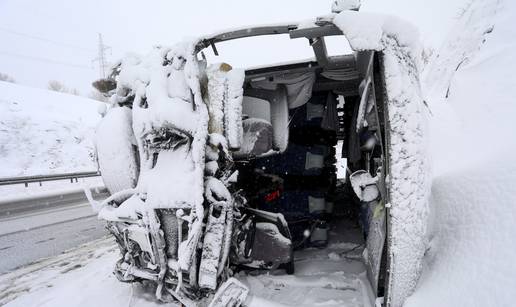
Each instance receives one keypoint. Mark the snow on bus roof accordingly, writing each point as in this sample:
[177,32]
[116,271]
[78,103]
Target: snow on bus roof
[365,31]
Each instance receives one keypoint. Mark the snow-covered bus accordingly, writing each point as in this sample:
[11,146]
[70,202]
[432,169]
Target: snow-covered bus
[216,170]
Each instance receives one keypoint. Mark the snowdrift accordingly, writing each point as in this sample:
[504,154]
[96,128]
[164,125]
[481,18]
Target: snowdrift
[472,235]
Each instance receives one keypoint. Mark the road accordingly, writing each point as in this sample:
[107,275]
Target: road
[33,231]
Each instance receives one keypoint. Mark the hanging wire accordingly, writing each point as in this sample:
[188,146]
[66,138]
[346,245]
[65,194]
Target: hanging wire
[54,42]
[45,60]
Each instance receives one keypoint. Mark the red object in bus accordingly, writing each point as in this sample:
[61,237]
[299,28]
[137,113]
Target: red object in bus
[272,196]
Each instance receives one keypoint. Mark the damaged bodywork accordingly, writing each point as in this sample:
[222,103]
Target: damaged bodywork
[188,216]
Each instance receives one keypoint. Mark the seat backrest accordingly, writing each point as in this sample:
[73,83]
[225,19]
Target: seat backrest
[257,138]
[258,102]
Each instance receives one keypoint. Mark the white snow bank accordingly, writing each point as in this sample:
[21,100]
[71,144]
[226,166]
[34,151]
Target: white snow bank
[461,45]
[475,69]
[471,257]
[472,233]
[44,132]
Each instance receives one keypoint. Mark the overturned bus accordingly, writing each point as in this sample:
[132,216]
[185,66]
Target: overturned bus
[215,170]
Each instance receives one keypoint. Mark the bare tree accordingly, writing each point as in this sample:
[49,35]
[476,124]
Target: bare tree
[74,91]
[57,86]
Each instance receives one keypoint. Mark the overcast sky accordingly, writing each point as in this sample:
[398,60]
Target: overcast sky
[57,39]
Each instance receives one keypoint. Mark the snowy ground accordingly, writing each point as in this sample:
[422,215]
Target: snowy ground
[44,132]
[334,276]
[469,86]
[324,277]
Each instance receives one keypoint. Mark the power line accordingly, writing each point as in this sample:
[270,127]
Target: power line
[31,9]
[101,58]
[46,40]
[50,61]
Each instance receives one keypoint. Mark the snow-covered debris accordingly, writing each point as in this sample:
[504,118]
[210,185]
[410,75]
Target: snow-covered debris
[129,210]
[169,122]
[212,249]
[44,132]
[225,94]
[232,293]
[180,214]
[157,105]
[215,75]
[364,185]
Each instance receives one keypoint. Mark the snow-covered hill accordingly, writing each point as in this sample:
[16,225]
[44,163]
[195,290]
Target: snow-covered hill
[44,132]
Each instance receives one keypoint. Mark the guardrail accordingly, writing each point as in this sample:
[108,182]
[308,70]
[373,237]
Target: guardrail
[41,178]
[10,207]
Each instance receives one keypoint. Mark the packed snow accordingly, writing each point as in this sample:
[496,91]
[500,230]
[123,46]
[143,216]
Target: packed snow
[469,82]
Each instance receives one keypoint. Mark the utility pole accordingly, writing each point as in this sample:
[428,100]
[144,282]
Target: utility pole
[101,57]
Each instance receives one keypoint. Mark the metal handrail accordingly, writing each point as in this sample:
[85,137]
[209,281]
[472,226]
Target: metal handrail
[40,178]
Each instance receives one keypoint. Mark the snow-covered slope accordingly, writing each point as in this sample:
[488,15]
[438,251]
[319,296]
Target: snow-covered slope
[43,132]
[469,86]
